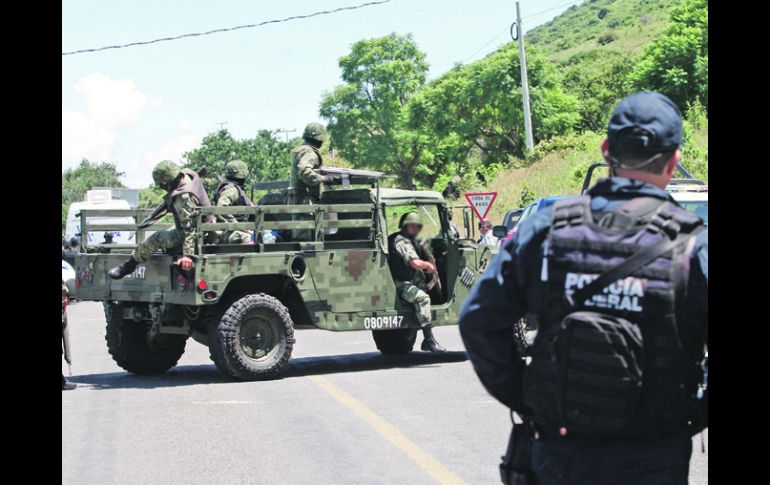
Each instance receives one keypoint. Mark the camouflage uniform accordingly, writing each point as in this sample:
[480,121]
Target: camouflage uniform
[304,180]
[182,236]
[186,194]
[228,196]
[414,291]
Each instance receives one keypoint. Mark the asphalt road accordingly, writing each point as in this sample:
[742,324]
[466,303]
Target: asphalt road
[341,414]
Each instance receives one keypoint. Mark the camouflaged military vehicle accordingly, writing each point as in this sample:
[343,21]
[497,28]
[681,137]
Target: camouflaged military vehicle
[244,301]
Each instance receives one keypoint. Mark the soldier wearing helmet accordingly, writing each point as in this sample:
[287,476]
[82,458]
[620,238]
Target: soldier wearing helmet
[408,264]
[184,195]
[232,193]
[305,180]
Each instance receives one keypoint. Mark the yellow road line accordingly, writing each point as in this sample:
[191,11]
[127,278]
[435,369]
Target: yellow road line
[433,467]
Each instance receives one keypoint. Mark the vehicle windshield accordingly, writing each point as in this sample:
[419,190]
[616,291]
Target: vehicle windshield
[700,208]
[431,221]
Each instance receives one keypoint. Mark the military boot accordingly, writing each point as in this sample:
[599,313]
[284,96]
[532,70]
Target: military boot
[124,269]
[429,343]
[67,386]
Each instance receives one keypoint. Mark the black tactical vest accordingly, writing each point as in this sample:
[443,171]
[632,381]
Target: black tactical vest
[398,268]
[194,187]
[614,365]
[243,199]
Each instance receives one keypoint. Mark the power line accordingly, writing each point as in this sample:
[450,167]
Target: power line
[553,8]
[444,63]
[227,29]
[507,27]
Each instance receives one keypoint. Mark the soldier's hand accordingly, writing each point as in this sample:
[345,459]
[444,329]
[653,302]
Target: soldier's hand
[327,179]
[430,267]
[185,263]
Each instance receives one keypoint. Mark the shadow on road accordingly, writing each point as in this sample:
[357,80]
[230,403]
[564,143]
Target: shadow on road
[189,375]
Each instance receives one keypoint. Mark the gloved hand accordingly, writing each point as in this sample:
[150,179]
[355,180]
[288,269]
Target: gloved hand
[327,179]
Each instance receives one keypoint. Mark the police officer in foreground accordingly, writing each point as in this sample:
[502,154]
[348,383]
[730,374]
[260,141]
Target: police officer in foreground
[408,264]
[619,282]
[185,193]
[232,193]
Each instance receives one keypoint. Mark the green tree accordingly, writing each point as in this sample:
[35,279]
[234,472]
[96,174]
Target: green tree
[477,109]
[150,197]
[266,156]
[368,118]
[677,63]
[75,182]
[598,79]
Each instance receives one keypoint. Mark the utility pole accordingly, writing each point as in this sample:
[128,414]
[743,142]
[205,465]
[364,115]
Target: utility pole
[287,133]
[221,124]
[524,81]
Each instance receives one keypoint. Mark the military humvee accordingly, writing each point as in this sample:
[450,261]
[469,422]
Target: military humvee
[244,301]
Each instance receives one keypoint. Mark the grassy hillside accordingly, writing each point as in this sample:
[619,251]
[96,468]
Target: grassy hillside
[587,39]
[606,25]
[559,167]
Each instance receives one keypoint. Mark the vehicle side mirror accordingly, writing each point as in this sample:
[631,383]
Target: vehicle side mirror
[499,231]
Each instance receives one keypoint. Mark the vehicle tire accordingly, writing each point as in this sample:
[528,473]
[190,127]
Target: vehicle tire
[395,342]
[216,353]
[129,347]
[254,338]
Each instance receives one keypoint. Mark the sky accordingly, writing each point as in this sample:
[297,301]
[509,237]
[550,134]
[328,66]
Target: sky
[137,106]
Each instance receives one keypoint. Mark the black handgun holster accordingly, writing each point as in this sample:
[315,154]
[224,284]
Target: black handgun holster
[515,465]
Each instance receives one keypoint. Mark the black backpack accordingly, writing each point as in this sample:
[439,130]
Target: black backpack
[603,366]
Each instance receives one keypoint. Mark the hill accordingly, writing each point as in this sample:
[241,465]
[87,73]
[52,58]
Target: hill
[623,26]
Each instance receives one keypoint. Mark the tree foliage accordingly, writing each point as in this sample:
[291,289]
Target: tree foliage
[367,114]
[599,80]
[478,109]
[266,156]
[676,64]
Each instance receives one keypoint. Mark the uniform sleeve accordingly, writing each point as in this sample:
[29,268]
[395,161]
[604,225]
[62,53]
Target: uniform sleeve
[306,166]
[406,251]
[495,304]
[186,206]
[227,198]
[698,299]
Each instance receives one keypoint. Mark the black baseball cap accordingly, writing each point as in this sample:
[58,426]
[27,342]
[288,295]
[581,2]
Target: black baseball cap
[656,118]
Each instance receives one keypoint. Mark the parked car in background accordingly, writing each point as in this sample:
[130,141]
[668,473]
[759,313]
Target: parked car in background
[689,192]
[692,195]
[68,278]
[533,207]
[511,218]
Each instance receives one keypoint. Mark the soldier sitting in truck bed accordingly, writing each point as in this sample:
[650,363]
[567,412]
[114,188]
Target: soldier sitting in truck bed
[185,193]
[231,193]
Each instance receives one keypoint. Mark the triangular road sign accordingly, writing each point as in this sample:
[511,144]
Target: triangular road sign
[481,202]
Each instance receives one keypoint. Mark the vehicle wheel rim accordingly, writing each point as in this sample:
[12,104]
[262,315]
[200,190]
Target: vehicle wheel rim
[257,338]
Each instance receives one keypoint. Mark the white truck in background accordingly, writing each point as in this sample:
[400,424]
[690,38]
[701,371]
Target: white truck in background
[100,199]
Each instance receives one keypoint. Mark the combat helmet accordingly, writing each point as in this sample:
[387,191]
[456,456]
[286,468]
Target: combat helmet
[411,218]
[236,169]
[314,132]
[164,173]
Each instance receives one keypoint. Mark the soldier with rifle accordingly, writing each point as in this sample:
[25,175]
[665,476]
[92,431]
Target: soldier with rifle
[409,264]
[185,194]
